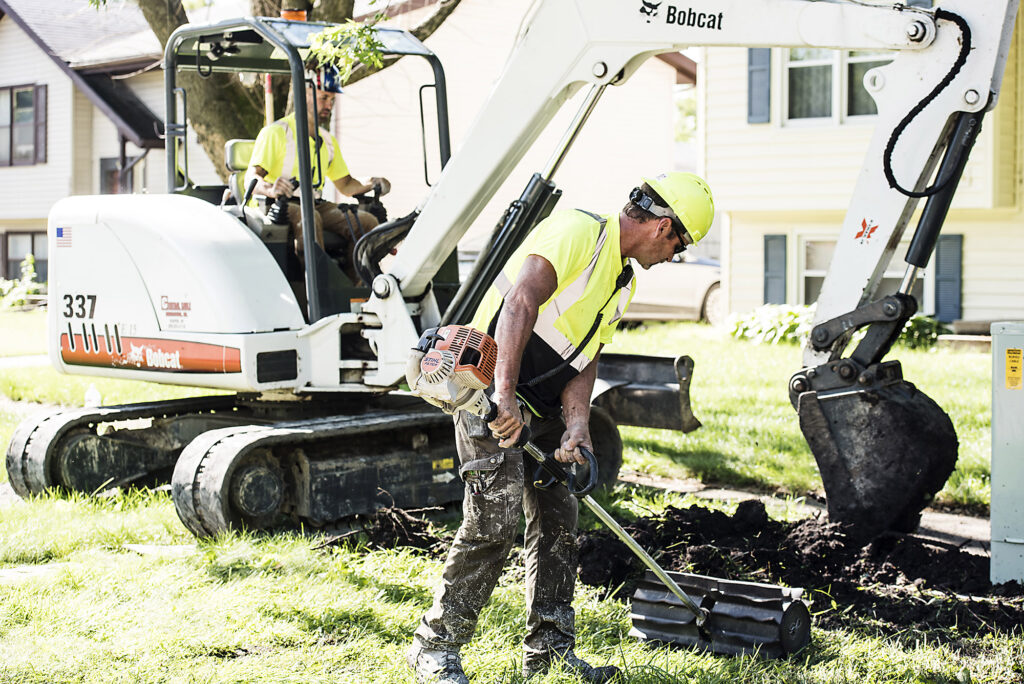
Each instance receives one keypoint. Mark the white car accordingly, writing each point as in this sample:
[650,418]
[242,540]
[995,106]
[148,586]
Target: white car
[685,289]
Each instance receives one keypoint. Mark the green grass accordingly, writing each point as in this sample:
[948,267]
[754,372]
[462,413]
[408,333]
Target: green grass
[78,605]
[751,436]
[275,609]
[22,332]
[45,385]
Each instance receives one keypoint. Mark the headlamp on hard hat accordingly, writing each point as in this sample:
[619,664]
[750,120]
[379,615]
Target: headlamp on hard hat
[646,202]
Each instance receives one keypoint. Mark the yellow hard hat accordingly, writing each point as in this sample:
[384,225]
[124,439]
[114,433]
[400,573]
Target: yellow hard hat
[690,199]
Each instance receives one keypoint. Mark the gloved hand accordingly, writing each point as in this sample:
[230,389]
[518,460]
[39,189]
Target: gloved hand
[384,183]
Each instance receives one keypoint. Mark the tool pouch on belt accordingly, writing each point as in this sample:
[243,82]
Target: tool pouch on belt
[481,473]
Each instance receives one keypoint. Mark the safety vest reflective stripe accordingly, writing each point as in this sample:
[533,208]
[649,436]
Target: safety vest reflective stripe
[291,149]
[545,325]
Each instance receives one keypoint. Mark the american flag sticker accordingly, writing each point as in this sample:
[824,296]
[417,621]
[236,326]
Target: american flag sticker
[63,236]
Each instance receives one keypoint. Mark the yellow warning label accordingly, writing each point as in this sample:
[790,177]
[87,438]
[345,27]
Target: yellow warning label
[1013,369]
[449,463]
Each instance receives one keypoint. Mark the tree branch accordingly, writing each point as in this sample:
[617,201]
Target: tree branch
[423,31]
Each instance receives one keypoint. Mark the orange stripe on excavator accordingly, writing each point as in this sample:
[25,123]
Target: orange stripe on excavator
[144,353]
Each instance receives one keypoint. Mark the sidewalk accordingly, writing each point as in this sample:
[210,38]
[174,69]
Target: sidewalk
[969,533]
[24,361]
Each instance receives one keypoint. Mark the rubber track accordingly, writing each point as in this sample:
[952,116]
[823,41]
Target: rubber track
[201,476]
[37,441]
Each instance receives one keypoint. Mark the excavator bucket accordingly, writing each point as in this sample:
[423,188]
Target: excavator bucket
[744,618]
[646,391]
[883,453]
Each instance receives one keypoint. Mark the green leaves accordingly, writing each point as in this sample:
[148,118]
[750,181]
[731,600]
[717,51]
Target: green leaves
[345,45]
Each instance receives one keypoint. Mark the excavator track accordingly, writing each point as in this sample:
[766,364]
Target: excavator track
[76,451]
[313,473]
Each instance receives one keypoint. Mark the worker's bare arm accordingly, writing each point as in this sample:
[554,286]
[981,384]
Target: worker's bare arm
[576,414]
[282,186]
[349,186]
[535,284]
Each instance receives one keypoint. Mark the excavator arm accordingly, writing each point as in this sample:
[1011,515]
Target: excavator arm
[883,447]
[566,45]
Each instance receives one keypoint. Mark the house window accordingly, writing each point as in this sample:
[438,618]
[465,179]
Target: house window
[17,246]
[817,255]
[829,84]
[22,125]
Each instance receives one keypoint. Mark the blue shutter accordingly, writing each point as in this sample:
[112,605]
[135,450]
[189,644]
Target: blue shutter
[774,269]
[759,85]
[948,270]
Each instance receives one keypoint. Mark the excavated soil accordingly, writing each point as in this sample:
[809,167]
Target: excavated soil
[892,584]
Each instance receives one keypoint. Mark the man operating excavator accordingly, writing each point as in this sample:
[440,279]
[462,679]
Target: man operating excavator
[551,310]
[275,162]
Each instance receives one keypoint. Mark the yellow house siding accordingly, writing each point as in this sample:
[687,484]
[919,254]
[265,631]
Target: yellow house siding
[993,268]
[82,176]
[1009,119]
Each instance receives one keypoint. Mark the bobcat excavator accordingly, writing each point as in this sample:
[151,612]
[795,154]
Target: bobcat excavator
[173,288]
[200,288]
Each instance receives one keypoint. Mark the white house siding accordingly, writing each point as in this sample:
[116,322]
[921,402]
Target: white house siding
[32,189]
[149,87]
[774,179]
[629,134]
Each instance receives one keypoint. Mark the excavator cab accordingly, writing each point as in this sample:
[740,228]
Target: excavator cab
[258,45]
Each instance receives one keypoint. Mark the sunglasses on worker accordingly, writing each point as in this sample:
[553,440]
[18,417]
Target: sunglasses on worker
[646,202]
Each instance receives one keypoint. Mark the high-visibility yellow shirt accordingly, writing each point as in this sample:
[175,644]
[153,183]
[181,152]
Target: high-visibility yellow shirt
[275,146]
[586,256]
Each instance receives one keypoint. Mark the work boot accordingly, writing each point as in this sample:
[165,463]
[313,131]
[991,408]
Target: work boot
[435,666]
[534,665]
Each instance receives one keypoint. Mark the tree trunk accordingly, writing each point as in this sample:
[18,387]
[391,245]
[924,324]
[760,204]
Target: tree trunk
[220,106]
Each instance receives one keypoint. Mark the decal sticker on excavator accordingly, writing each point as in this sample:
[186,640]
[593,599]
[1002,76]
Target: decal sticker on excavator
[175,312]
[1014,373]
[685,16]
[649,9]
[90,346]
[63,236]
[867,229]
[78,306]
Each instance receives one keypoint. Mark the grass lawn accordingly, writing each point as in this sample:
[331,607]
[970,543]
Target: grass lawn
[751,436]
[80,603]
[277,609]
[22,332]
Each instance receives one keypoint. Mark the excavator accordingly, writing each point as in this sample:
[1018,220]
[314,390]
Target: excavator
[199,287]
[323,425]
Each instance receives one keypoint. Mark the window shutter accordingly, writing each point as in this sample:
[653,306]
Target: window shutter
[759,84]
[40,108]
[774,269]
[948,270]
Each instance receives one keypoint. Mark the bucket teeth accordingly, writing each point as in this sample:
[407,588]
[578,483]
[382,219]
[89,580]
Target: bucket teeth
[745,617]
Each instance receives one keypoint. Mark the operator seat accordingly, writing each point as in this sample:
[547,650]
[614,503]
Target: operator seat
[237,153]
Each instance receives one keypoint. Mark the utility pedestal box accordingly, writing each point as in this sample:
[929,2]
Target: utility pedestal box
[1007,509]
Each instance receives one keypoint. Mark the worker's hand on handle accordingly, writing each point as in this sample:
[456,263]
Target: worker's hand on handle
[509,423]
[575,436]
[383,183]
[282,187]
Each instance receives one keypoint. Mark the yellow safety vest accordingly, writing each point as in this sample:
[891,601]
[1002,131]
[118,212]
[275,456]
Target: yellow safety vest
[584,250]
[276,151]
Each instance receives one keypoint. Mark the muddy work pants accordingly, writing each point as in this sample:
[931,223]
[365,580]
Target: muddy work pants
[497,486]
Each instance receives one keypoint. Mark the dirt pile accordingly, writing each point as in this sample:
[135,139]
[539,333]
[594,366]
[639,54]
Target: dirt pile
[893,583]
